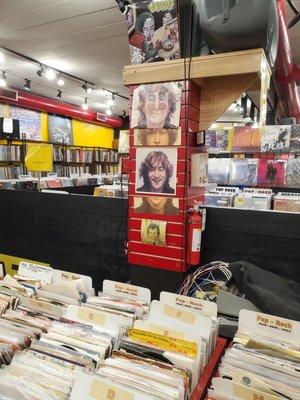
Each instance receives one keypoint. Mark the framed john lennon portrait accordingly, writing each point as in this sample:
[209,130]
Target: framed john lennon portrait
[156,170]
[157,137]
[156,105]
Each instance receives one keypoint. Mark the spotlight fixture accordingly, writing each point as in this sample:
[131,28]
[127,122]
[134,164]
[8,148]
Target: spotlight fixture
[89,89]
[60,81]
[59,93]
[235,107]
[109,111]
[124,114]
[84,86]
[27,85]
[50,74]
[85,105]
[3,79]
[40,71]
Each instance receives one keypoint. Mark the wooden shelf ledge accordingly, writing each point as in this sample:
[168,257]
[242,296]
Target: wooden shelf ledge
[225,64]
[223,78]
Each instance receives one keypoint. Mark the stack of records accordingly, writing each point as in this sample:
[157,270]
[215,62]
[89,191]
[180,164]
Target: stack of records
[287,202]
[254,199]
[263,363]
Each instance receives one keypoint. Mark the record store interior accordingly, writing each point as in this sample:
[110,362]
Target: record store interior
[150,200]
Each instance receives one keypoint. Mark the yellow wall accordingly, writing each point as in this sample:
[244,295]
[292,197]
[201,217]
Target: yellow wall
[84,133]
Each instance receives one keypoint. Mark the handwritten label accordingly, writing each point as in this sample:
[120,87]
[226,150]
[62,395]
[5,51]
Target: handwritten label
[35,271]
[246,393]
[104,391]
[180,315]
[91,316]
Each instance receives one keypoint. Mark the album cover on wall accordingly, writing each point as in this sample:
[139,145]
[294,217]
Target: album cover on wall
[271,172]
[218,170]
[243,172]
[199,169]
[156,170]
[295,139]
[60,129]
[219,139]
[152,31]
[293,173]
[156,105]
[153,232]
[246,138]
[275,138]
[30,122]
[157,137]
[156,205]
[123,147]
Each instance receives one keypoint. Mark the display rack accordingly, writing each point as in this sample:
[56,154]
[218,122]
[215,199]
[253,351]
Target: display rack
[210,85]
[94,166]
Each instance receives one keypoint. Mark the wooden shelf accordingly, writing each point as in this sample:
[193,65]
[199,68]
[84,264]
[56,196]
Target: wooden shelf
[225,64]
[222,78]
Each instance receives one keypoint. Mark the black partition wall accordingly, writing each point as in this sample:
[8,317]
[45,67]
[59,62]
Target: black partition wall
[82,234]
[270,240]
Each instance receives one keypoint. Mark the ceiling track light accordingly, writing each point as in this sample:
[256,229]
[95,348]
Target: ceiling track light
[59,94]
[50,74]
[85,105]
[84,86]
[109,111]
[3,79]
[40,71]
[60,80]
[27,85]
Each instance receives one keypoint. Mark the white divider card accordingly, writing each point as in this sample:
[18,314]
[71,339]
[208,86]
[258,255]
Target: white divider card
[270,326]
[127,291]
[176,317]
[227,189]
[35,271]
[93,387]
[42,306]
[206,308]
[175,334]
[180,319]
[226,389]
[94,318]
[60,275]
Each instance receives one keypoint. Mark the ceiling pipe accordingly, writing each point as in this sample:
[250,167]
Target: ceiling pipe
[32,101]
[286,71]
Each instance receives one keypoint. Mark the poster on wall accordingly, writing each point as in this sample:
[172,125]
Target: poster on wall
[5,111]
[60,129]
[30,122]
[156,105]
[156,170]
[157,137]
[152,31]
[153,232]
[123,147]
[156,205]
